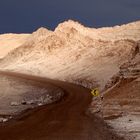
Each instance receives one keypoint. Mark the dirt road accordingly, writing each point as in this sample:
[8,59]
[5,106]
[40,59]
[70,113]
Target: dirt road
[64,120]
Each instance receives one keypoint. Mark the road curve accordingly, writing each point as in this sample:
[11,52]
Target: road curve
[64,120]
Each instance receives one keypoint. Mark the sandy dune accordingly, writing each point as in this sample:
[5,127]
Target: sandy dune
[9,42]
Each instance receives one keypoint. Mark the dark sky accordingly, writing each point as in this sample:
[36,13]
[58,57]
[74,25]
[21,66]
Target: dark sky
[28,15]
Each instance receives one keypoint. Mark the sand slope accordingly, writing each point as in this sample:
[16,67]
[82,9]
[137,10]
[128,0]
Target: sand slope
[9,42]
[75,53]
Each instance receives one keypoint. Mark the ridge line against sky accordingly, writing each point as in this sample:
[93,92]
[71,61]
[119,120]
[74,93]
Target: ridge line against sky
[23,16]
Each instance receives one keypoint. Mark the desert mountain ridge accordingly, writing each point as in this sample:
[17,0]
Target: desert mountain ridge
[106,58]
[75,53]
[126,31]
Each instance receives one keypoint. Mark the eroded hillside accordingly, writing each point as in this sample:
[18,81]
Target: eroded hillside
[75,53]
[105,58]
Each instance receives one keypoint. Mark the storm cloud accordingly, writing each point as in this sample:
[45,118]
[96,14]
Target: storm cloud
[28,15]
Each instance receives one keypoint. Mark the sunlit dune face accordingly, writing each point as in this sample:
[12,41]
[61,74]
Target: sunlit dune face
[9,42]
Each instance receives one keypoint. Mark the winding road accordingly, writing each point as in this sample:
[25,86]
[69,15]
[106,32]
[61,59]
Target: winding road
[67,119]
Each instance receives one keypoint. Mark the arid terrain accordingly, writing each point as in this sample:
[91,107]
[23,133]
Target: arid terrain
[75,53]
[17,95]
[67,119]
[9,42]
[105,58]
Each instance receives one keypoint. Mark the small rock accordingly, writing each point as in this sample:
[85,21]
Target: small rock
[23,102]
[40,104]
[31,102]
[130,120]
[5,120]
[2,120]
[14,103]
